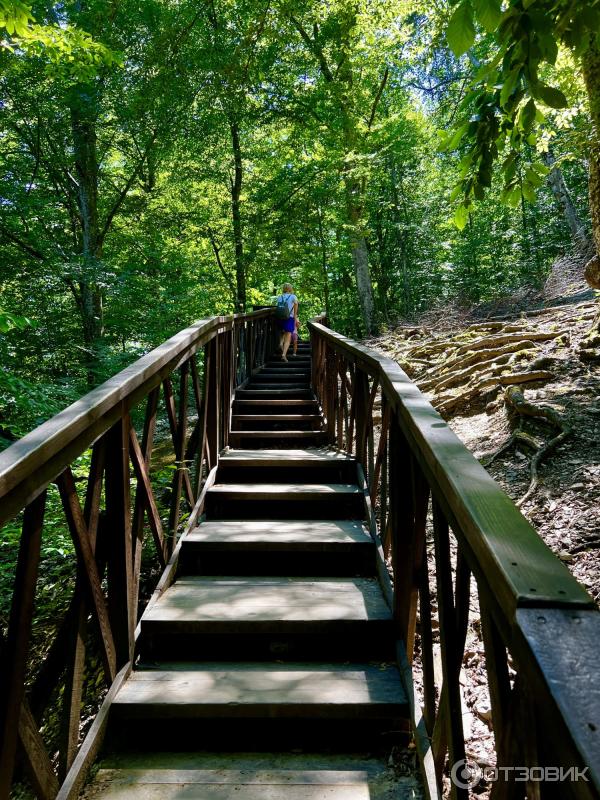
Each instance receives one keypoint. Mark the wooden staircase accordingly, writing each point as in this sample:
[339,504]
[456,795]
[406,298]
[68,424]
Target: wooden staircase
[267,669]
[277,405]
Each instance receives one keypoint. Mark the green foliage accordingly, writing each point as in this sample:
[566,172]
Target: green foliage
[9,321]
[508,102]
[461,28]
[159,167]
[68,51]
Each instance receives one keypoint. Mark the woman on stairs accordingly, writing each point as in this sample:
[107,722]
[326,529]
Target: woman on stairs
[287,315]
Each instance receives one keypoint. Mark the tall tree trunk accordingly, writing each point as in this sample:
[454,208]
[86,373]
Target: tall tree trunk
[238,234]
[403,240]
[324,262]
[83,107]
[355,190]
[360,259]
[565,203]
[591,72]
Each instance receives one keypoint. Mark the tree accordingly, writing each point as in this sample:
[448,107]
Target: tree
[354,82]
[510,88]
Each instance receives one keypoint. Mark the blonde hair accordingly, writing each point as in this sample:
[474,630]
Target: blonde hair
[287,287]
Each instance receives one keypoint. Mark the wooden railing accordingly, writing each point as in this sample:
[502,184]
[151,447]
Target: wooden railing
[457,541]
[196,372]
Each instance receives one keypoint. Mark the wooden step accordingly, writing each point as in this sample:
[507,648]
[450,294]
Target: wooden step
[258,384]
[291,363]
[278,417]
[284,491]
[285,500]
[283,438]
[285,369]
[268,617]
[275,406]
[276,422]
[273,776]
[243,394]
[274,547]
[269,404]
[285,377]
[315,536]
[275,376]
[319,458]
[209,604]
[351,692]
[286,433]
[289,465]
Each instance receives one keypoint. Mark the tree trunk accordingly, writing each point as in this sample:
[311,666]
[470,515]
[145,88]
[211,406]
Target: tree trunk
[83,107]
[360,260]
[238,235]
[324,262]
[403,238]
[358,244]
[564,202]
[591,72]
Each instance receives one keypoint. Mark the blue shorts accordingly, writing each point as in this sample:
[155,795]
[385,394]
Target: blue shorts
[287,325]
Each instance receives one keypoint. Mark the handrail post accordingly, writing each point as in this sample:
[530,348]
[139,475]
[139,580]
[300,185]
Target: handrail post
[14,651]
[330,391]
[118,525]
[211,400]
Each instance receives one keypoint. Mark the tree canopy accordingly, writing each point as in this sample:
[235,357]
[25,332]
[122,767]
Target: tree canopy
[164,161]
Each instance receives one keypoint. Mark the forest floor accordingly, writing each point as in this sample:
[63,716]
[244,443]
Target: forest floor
[519,383]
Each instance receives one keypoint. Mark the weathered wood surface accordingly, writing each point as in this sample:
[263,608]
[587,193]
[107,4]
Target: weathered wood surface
[239,690]
[277,417]
[272,534]
[198,602]
[283,491]
[514,559]
[559,653]
[260,777]
[310,435]
[315,458]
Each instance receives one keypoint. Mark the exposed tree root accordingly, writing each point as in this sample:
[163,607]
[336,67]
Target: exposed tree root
[519,437]
[507,338]
[457,377]
[482,388]
[515,398]
[479,356]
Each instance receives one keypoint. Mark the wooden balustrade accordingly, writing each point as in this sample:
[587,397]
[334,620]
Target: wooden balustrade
[455,540]
[196,372]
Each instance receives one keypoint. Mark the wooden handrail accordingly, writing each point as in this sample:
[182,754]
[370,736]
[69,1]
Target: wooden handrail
[523,570]
[107,525]
[31,463]
[436,504]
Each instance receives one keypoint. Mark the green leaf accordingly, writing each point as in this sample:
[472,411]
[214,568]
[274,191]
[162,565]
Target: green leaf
[551,96]
[461,29]
[510,166]
[452,141]
[456,192]
[461,217]
[489,13]
[527,116]
[509,85]
[513,198]
[529,192]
